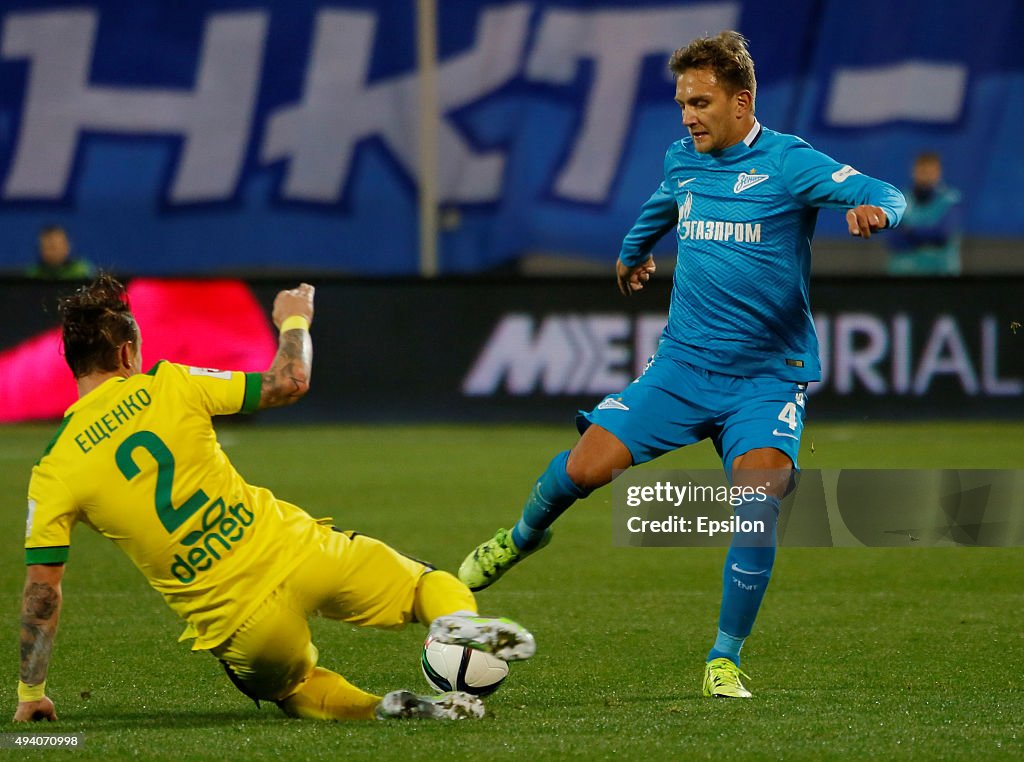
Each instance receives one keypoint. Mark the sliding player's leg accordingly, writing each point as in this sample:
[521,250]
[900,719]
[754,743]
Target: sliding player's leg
[449,608]
[325,695]
[372,584]
[271,658]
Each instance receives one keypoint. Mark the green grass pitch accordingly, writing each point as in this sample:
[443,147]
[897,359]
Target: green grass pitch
[858,653]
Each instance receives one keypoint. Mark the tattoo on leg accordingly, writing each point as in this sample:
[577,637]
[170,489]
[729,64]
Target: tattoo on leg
[41,601]
[38,628]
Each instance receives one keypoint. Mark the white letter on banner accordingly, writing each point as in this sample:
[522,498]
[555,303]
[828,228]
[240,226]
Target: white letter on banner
[916,91]
[515,353]
[617,41]
[945,353]
[598,366]
[613,369]
[901,353]
[993,385]
[214,119]
[861,362]
[318,136]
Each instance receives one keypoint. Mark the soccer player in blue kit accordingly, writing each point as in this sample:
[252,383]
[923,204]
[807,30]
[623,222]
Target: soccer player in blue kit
[739,348]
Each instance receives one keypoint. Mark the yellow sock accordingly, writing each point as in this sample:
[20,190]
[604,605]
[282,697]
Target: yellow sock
[440,593]
[326,695]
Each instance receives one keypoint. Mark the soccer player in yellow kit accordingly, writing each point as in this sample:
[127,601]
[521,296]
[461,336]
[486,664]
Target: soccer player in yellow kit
[137,459]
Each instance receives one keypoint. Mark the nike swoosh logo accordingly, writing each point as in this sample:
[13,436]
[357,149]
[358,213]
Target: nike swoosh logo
[683,183]
[778,433]
[736,568]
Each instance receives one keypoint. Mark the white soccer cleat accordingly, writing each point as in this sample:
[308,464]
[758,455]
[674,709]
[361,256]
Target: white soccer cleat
[499,636]
[454,705]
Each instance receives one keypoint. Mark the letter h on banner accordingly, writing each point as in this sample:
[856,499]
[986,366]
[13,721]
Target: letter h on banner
[214,119]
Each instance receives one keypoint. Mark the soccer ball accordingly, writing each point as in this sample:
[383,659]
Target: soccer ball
[458,668]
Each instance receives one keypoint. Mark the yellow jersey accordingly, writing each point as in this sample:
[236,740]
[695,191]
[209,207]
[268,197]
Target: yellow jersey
[137,459]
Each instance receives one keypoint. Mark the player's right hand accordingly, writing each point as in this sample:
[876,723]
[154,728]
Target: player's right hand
[295,301]
[866,219]
[634,278]
[34,711]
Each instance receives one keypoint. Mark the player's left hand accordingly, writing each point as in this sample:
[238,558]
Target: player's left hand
[34,711]
[633,278]
[295,301]
[866,219]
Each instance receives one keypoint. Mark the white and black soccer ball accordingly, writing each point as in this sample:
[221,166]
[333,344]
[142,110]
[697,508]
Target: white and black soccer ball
[458,668]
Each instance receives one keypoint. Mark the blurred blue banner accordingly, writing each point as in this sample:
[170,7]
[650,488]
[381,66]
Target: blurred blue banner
[229,136]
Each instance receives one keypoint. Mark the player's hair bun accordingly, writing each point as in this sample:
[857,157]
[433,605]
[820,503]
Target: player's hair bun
[95,320]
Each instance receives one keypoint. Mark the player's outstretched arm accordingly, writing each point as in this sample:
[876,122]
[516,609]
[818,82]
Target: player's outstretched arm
[866,219]
[40,614]
[287,379]
[633,278]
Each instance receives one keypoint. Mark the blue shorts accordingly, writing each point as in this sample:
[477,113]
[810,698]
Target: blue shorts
[673,404]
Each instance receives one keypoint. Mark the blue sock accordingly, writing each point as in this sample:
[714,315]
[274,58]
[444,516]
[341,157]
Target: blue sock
[553,493]
[748,568]
[728,646]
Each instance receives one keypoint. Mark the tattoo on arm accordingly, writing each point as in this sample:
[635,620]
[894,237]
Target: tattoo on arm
[40,614]
[288,377]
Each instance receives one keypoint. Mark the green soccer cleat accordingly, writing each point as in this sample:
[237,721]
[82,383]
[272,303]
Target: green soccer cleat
[722,680]
[454,705]
[499,636]
[491,559]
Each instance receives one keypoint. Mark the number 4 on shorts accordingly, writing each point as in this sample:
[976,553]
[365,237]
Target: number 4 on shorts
[788,415]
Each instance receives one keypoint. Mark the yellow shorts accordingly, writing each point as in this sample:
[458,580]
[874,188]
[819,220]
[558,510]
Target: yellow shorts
[350,577]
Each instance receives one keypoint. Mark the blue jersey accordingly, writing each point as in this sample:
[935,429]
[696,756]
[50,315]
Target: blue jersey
[744,218]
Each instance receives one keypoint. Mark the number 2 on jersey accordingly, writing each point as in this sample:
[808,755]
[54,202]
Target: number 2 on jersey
[170,516]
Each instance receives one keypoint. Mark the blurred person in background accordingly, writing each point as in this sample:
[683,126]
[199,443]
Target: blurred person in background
[928,240]
[54,260]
